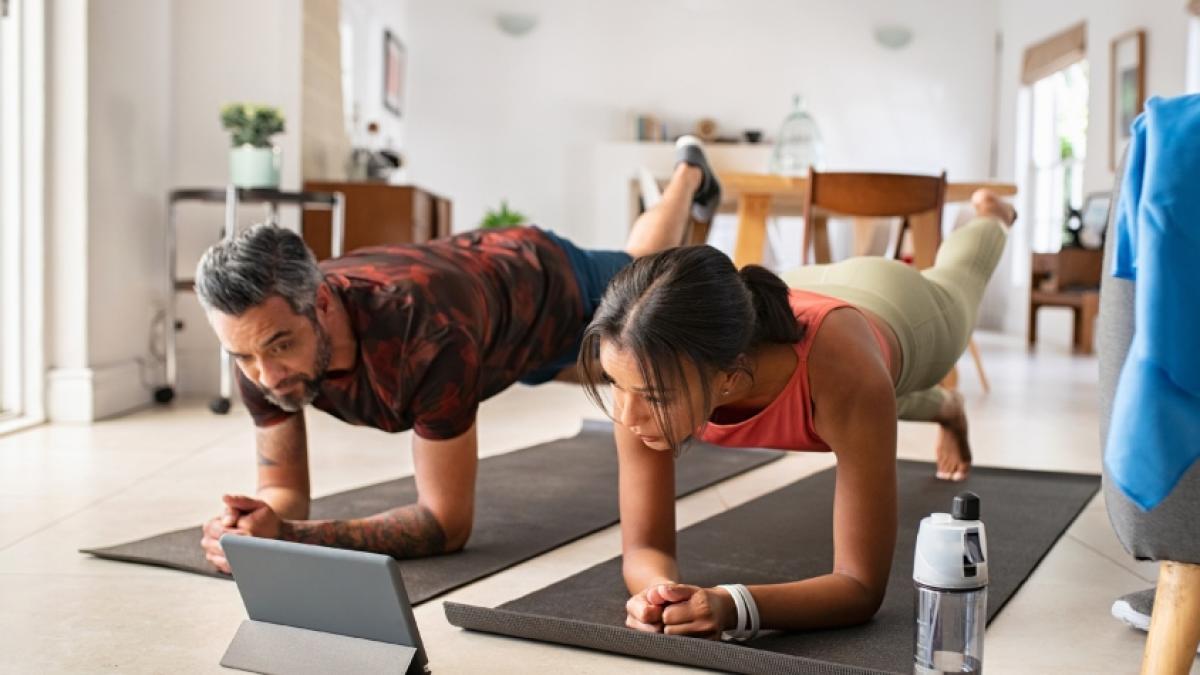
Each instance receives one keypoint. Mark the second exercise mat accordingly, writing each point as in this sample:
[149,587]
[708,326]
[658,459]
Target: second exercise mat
[787,535]
[527,502]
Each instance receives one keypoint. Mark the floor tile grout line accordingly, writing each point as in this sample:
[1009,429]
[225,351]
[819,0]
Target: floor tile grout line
[141,479]
[1102,554]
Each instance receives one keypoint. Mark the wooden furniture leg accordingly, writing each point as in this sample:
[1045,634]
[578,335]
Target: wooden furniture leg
[698,234]
[951,379]
[752,229]
[820,239]
[864,236]
[987,387]
[923,228]
[1175,624]
[1077,332]
[1033,324]
[1086,323]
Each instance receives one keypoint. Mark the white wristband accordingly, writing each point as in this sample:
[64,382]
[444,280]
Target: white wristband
[752,610]
[743,612]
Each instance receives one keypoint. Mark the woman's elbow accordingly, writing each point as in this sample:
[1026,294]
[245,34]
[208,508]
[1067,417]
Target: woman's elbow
[867,599]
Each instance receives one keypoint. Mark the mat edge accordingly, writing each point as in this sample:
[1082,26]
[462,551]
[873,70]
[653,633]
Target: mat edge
[483,619]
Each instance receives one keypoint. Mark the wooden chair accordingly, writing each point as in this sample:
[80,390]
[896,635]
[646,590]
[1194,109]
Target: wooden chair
[1166,533]
[912,198]
[917,200]
[1069,278]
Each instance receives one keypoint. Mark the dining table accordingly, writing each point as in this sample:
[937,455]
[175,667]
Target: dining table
[756,197]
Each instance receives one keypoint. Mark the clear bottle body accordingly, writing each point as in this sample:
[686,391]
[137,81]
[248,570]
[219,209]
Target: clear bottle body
[798,146]
[949,630]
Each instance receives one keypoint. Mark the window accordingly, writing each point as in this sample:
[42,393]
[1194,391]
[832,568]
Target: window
[1193,57]
[1058,147]
[21,265]
[10,324]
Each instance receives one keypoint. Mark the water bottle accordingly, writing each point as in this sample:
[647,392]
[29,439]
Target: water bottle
[798,145]
[950,574]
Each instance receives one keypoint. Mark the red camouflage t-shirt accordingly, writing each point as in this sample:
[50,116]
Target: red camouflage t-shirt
[442,326]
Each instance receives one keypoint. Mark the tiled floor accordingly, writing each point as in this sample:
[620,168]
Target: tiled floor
[63,488]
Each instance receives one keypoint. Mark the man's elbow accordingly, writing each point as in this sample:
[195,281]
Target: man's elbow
[456,530]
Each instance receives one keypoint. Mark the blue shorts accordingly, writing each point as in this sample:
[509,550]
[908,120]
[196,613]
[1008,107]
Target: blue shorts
[593,270]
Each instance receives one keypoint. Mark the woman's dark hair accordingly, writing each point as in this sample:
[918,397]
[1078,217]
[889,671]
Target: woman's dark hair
[686,305]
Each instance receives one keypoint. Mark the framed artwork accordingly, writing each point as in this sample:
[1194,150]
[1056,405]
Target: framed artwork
[1094,219]
[393,73]
[1127,90]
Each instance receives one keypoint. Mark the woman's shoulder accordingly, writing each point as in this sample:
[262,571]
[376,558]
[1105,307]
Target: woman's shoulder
[845,354]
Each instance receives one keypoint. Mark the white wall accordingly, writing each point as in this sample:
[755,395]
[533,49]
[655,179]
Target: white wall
[368,20]
[1025,22]
[128,125]
[107,176]
[494,117]
[135,92]
[225,51]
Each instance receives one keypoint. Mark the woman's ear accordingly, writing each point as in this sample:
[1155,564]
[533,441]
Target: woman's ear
[726,382]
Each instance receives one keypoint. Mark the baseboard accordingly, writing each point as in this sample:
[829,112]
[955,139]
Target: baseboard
[84,395]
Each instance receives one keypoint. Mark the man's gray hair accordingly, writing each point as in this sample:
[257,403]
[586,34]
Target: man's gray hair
[265,260]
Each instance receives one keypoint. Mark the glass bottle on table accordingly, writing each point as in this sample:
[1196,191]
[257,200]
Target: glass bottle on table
[798,146]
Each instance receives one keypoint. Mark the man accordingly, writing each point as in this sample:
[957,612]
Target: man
[406,337]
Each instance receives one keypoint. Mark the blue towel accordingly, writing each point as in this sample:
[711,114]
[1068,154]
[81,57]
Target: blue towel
[1155,432]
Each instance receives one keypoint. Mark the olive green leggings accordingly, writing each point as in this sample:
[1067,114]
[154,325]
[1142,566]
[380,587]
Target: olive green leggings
[932,312]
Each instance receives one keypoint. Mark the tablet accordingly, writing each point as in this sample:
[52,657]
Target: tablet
[318,588]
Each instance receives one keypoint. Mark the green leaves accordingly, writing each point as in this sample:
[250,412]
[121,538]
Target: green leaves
[503,217]
[251,124]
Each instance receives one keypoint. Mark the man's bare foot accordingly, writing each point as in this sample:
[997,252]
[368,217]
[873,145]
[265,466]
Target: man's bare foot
[953,450]
[987,203]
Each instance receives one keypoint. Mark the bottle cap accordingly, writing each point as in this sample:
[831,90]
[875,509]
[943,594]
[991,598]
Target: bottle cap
[966,506]
[951,550]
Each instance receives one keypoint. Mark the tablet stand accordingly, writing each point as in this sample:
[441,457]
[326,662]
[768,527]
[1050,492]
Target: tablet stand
[261,647]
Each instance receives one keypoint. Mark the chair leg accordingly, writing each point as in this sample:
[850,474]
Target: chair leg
[987,388]
[950,381]
[896,245]
[1175,623]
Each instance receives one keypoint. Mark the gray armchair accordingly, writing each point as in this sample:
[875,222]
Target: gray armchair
[1169,533]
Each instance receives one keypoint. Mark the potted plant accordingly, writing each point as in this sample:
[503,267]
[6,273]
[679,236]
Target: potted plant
[254,161]
[503,217]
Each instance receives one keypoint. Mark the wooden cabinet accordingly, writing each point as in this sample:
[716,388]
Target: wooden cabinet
[378,213]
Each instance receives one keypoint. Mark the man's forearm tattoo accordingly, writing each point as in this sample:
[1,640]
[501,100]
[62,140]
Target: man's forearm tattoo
[409,531]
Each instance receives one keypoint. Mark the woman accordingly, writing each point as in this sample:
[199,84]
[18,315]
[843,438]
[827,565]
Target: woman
[693,347]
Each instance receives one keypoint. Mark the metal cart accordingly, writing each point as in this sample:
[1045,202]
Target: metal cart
[231,197]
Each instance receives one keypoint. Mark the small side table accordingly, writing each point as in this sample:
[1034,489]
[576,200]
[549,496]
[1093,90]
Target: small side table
[231,197]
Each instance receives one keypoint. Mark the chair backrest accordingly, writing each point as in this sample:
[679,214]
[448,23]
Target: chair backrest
[875,195]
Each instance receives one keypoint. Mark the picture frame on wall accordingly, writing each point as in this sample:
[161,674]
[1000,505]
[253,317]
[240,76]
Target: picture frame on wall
[1093,219]
[1127,90]
[393,73]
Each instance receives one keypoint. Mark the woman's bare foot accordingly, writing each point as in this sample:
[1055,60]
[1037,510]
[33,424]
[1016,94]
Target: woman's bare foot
[953,450]
[987,203]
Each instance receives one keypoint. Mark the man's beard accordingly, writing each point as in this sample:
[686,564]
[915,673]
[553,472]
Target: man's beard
[312,386]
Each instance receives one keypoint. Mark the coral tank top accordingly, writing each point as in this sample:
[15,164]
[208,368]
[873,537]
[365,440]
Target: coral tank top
[787,422]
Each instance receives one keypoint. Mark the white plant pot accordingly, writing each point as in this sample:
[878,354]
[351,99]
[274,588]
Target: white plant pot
[251,167]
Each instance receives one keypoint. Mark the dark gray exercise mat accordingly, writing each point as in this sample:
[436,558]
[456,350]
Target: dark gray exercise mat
[527,502]
[787,535]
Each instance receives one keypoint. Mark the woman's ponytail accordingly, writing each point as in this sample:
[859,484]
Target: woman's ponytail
[773,317]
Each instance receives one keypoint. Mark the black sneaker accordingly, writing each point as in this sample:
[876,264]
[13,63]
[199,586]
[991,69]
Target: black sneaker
[1135,610]
[708,196]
